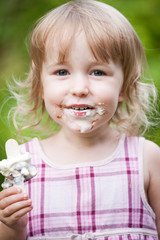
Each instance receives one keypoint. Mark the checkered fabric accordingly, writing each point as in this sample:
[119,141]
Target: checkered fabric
[103,200]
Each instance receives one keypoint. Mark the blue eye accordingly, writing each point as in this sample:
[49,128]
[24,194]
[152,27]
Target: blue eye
[98,73]
[62,72]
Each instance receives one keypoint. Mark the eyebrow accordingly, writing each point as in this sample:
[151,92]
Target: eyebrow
[92,63]
[56,64]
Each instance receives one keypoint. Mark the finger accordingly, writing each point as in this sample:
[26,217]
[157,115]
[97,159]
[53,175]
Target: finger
[17,215]
[9,191]
[11,209]
[5,202]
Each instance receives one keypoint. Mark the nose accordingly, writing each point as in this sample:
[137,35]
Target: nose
[79,85]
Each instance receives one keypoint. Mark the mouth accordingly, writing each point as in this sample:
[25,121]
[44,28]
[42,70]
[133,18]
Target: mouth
[80,110]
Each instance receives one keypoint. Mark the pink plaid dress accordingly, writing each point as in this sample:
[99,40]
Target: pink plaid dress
[103,200]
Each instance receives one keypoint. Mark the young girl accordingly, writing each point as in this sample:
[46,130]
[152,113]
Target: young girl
[97,179]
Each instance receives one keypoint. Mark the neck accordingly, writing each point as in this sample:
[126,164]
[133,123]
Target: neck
[70,147]
[87,139]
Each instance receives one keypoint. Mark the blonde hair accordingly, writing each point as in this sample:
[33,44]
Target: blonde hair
[109,36]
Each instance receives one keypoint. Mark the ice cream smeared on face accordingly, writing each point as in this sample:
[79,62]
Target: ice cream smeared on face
[17,167]
[100,109]
[84,111]
[58,111]
[85,126]
[83,117]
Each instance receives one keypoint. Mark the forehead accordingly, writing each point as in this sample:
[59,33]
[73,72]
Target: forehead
[61,49]
[59,46]
[78,52]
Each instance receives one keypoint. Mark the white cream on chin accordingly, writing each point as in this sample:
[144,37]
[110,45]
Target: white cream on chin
[80,120]
[85,126]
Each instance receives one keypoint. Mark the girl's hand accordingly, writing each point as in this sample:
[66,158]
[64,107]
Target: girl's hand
[14,206]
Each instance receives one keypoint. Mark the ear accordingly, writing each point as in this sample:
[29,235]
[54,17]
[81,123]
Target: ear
[121,97]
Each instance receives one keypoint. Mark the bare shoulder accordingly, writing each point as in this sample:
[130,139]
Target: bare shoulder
[151,163]
[152,156]
[152,171]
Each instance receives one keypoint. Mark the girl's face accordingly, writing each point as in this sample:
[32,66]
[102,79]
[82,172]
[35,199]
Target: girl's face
[81,94]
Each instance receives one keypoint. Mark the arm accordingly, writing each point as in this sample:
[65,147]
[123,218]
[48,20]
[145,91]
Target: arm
[14,206]
[152,170]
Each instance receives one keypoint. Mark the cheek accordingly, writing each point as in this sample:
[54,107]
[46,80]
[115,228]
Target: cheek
[109,97]
[51,94]
[54,112]
[51,101]
[109,103]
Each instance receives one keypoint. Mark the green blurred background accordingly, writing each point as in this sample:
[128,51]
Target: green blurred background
[17,18]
